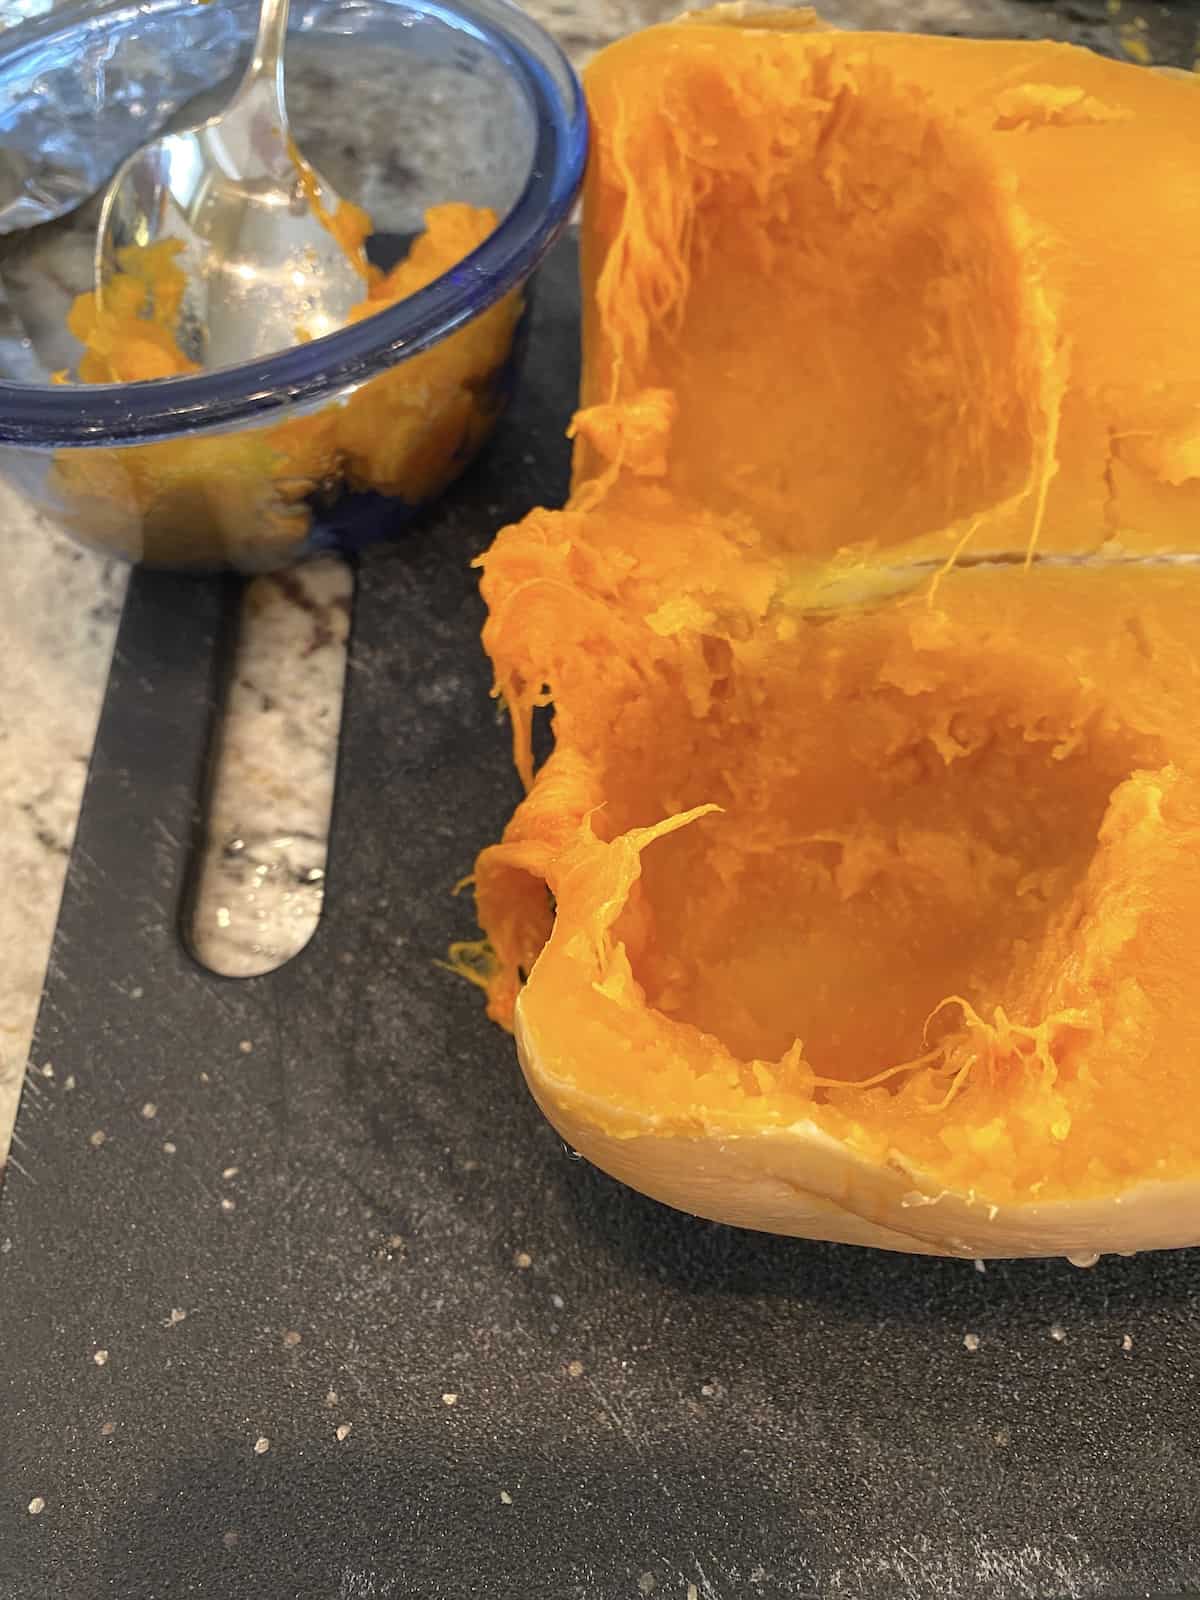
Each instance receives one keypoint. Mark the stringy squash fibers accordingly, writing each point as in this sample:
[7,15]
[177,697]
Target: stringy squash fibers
[860,896]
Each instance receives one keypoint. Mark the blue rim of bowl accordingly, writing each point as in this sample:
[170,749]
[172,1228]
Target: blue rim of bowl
[65,416]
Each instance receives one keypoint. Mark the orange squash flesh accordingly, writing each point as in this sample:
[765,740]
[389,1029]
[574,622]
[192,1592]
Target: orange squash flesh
[895,283]
[860,896]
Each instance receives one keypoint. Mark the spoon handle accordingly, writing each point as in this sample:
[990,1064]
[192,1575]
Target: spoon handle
[266,61]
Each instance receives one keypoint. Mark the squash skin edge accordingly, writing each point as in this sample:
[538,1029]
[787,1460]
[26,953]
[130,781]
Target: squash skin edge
[802,1182]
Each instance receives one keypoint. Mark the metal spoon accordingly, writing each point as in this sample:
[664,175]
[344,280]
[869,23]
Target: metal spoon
[262,270]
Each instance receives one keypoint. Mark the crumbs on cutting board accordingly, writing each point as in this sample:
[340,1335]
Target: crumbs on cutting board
[971,1342]
[261,1445]
[149,1110]
[100,1357]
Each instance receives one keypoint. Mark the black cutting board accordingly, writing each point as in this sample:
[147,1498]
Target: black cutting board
[646,1403]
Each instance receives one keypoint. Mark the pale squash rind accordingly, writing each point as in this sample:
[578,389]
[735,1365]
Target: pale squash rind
[800,1181]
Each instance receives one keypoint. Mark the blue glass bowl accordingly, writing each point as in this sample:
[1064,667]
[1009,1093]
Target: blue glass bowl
[404,104]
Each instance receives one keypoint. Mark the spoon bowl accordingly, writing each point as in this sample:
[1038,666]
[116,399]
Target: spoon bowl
[255,222]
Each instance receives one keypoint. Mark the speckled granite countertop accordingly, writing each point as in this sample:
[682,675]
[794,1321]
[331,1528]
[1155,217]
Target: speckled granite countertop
[59,606]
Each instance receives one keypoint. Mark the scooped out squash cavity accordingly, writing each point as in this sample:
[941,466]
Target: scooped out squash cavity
[895,284]
[860,896]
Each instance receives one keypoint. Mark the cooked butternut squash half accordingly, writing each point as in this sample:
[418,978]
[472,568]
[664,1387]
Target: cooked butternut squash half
[860,895]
